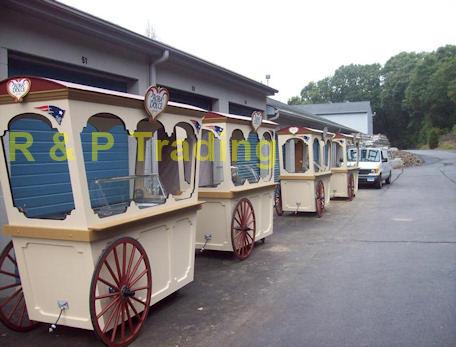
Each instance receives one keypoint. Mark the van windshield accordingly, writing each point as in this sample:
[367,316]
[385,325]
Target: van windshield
[370,155]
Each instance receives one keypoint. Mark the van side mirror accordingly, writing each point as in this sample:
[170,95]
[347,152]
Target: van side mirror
[384,160]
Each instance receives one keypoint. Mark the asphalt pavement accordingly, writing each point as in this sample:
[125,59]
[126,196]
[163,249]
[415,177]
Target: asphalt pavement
[377,271]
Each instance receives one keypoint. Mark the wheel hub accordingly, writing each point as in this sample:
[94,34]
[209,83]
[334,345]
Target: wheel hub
[126,292]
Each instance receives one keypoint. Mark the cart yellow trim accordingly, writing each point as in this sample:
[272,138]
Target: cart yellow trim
[304,177]
[95,232]
[343,169]
[233,192]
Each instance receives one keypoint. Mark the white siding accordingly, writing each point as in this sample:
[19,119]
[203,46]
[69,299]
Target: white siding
[357,121]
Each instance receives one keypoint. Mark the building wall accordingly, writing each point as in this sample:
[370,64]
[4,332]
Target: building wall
[357,121]
[30,35]
[68,46]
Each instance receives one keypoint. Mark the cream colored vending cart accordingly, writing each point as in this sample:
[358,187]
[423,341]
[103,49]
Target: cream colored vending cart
[236,183]
[344,166]
[305,173]
[101,205]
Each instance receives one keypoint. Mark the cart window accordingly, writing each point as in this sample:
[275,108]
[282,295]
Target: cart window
[316,155]
[106,148]
[337,159]
[37,168]
[295,156]
[211,163]
[176,160]
[244,160]
[327,153]
[352,154]
[266,154]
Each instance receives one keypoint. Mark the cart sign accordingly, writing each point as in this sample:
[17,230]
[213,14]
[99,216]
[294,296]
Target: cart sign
[293,130]
[155,100]
[18,88]
[257,118]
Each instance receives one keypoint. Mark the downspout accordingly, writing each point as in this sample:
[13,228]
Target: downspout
[153,68]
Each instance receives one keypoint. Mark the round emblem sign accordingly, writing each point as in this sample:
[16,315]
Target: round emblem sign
[155,100]
[18,88]
[293,130]
[257,119]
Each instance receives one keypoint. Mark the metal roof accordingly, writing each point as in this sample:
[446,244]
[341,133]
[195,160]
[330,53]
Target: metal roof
[83,22]
[306,118]
[336,108]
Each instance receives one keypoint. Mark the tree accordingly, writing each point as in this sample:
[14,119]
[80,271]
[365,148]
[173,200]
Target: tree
[394,118]
[412,95]
[433,139]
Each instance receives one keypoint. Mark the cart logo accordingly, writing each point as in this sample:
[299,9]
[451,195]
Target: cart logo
[215,129]
[257,118]
[197,125]
[53,111]
[18,88]
[155,100]
[293,130]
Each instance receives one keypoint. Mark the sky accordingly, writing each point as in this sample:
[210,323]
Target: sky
[295,42]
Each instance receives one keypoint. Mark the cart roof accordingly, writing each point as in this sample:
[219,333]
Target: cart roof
[300,131]
[343,136]
[49,89]
[213,117]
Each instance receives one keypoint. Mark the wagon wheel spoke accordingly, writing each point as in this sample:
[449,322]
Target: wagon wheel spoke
[111,272]
[13,308]
[111,318]
[116,260]
[130,262]
[11,297]
[243,229]
[130,323]
[9,273]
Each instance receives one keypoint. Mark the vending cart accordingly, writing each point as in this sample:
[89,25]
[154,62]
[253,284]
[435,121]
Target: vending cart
[344,166]
[236,183]
[305,172]
[100,194]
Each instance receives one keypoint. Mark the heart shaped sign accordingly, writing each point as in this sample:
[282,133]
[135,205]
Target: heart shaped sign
[18,88]
[257,118]
[293,130]
[155,100]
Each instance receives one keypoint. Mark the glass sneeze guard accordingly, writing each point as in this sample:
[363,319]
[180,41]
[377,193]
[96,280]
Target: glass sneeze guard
[115,194]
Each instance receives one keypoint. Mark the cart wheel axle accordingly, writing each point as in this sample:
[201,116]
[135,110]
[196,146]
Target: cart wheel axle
[120,292]
[320,199]
[243,228]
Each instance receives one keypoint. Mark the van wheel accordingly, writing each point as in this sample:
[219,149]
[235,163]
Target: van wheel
[379,183]
[388,180]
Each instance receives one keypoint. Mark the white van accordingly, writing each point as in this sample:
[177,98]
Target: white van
[374,165]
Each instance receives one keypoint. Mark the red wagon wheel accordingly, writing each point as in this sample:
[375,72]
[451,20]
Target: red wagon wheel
[120,292]
[243,228]
[278,200]
[320,198]
[351,187]
[13,310]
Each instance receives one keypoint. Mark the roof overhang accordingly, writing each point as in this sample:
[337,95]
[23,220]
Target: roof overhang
[77,20]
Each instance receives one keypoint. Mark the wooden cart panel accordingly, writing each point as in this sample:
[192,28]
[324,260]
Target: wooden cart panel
[169,244]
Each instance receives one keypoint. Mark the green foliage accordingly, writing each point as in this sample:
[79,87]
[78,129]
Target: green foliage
[294,100]
[413,95]
[433,139]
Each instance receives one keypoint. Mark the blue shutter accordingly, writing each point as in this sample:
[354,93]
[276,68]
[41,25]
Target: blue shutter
[41,188]
[110,163]
[277,163]
[244,161]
